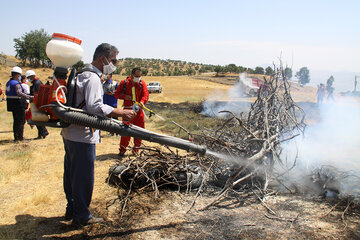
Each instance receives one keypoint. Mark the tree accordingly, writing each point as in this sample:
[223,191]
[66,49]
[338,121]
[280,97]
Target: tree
[31,46]
[269,71]
[144,71]
[250,70]
[117,70]
[202,69]
[259,70]
[232,68]
[303,76]
[209,68]
[128,71]
[190,71]
[288,73]
[241,69]
[79,65]
[218,69]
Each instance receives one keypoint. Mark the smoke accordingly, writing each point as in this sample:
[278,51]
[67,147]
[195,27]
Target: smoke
[231,101]
[329,149]
[333,142]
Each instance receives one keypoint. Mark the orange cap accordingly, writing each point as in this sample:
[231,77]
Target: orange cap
[66,37]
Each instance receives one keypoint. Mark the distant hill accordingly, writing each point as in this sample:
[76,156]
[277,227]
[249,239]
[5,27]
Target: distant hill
[7,60]
[159,67]
[168,67]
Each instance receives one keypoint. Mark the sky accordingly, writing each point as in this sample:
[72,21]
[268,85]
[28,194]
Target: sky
[321,35]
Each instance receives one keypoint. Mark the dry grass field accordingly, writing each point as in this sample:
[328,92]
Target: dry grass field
[33,202]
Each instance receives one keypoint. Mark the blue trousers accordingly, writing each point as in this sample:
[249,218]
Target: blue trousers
[78,178]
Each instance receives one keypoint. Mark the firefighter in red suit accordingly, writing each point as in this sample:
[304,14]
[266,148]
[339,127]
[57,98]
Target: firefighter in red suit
[130,90]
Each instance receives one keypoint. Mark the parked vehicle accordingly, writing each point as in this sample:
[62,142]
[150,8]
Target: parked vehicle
[154,87]
[250,85]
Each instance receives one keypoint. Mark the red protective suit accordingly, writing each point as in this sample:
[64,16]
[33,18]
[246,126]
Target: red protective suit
[142,96]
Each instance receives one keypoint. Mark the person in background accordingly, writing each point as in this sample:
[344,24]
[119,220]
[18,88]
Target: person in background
[79,141]
[16,102]
[109,86]
[30,75]
[320,93]
[131,90]
[1,93]
[330,91]
[27,91]
[25,87]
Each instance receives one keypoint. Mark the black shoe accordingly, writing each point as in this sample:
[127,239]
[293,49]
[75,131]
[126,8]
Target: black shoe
[92,220]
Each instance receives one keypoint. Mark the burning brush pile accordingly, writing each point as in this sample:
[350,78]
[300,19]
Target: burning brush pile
[243,154]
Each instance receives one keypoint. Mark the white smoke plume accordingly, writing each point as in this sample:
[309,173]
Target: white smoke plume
[231,101]
[334,142]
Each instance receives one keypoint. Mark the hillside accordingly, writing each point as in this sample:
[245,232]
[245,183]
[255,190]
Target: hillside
[168,67]
[159,67]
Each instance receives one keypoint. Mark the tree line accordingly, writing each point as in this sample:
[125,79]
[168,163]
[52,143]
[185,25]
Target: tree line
[30,50]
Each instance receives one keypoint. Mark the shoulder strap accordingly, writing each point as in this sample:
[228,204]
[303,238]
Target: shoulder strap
[124,87]
[140,82]
[85,69]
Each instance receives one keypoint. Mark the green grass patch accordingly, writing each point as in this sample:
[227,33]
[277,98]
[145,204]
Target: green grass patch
[185,114]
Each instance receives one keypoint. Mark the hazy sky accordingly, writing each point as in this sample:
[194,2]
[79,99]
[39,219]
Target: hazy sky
[318,34]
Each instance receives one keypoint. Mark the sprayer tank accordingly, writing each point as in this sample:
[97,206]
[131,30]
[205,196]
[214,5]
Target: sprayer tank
[63,50]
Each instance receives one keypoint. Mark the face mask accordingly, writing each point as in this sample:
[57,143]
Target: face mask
[19,78]
[136,79]
[109,68]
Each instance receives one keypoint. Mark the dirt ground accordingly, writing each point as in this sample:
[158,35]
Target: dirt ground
[168,218]
[33,202]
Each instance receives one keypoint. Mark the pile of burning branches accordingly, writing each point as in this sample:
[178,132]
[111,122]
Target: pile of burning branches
[155,168]
[243,149]
[252,141]
[242,153]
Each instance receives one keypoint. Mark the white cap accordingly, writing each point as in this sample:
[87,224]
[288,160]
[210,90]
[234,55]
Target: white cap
[16,70]
[29,73]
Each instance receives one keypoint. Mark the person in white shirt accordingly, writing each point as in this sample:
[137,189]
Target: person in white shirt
[79,141]
[26,87]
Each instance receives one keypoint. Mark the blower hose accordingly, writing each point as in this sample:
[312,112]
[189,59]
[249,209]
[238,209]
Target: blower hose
[115,126]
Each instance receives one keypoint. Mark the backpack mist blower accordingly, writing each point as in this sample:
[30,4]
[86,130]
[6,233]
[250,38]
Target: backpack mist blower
[54,105]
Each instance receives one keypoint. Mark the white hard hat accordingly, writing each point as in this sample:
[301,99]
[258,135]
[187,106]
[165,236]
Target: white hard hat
[29,73]
[16,70]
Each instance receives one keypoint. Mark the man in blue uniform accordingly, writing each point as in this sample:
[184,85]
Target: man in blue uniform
[109,86]
[16,102]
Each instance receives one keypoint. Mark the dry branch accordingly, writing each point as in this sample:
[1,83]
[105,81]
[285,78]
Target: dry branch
[252,140]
